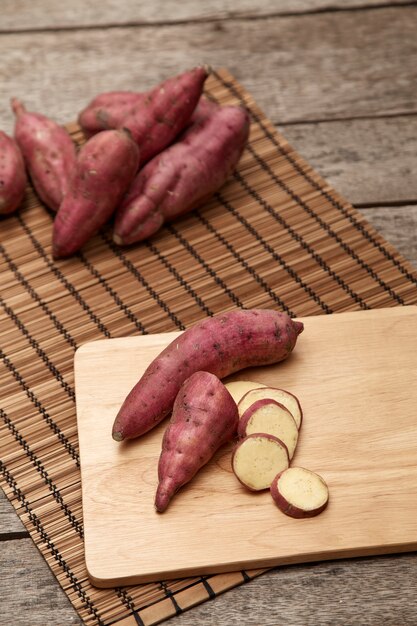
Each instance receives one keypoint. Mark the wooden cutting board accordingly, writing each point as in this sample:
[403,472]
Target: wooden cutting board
[356,377]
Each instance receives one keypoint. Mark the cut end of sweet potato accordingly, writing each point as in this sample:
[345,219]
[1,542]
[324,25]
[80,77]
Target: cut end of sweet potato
[287,399]
[117,435]
[269,416]
[257,459]
[117,239]
[299,492]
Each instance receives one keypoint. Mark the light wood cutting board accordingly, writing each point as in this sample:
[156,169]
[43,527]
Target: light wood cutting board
[356,377]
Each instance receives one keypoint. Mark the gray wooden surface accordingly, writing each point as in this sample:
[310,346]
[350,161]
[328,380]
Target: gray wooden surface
[339,79]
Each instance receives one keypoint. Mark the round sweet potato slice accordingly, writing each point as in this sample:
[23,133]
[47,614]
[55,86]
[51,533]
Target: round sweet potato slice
[257,459]
[269,416]
[289,400]
[299,492]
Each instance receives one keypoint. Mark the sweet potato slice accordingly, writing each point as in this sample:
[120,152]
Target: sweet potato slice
[257,459]
[238,388]
[269,416]
[282,396]
[299,493]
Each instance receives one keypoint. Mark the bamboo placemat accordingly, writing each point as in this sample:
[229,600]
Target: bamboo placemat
[277,235]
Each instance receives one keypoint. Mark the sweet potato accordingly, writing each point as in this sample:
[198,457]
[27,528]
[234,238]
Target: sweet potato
[49,154]
[222,344]
[165,111]
[184,175]
[268,416]
[105,167]
[299,493]
[12,175]
[289,400]
[204,417]
[257,459]
[108,110]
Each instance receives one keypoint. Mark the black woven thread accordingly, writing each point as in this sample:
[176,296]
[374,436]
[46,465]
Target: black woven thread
[170,595]
[75,523]
[41,409]
[39,351]
[103,282]
[317,258]
[59,559]
[334,203]
[59,275]
[179,278]
[35,296]
[132,269]
[208,587]
[187,245]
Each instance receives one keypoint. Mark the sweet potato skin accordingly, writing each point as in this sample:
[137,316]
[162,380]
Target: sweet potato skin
[108,110]
[165,111]
[204,417]
[105,168]
[184,175]
[49,154]
[13,178]
[222,344]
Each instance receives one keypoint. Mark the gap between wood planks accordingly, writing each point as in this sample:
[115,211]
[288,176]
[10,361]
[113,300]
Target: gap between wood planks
[208,20]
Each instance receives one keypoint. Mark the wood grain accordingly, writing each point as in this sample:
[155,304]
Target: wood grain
[398,225]
[10,524]
[361,452]
[332,66]
[367,161]
[24,15]
[29,591]
[365,592]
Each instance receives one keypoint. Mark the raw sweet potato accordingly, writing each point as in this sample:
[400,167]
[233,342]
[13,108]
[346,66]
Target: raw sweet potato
[288,399]
[185,174]
[108,110]
[222,344]
[12,175]
[165,111]
[105,167]
[204,417]
[48,151]
[257,459]
[268,416]
[299,492]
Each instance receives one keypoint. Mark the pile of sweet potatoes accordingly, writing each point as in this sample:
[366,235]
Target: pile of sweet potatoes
[149,157]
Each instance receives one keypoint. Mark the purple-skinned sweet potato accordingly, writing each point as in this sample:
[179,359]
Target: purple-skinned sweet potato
[221,345]
[184,175]
[299,492]
[108,110]
[13,178]
[204,417]
[165,111]
[105,168]
[48,151]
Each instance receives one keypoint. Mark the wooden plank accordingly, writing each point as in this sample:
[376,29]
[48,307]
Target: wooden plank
[398,225]
[359,591]
[30,593]
[367,161]
[10,524]
[50,14]
[360,519]
[330,65]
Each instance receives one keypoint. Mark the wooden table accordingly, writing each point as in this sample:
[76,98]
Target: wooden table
[340,81]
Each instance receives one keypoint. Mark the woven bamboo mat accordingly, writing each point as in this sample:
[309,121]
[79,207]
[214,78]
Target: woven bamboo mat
[275,236]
